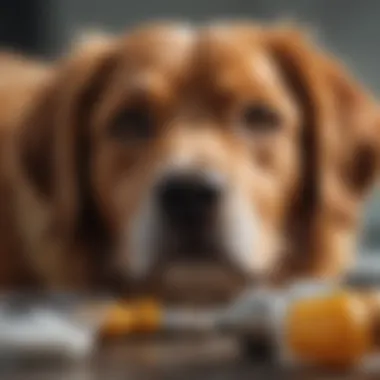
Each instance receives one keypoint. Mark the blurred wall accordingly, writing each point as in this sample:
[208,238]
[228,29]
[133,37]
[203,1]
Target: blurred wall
[25,25]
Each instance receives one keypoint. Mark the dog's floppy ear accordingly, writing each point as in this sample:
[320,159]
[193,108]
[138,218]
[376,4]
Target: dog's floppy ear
[340,149]
[53,150]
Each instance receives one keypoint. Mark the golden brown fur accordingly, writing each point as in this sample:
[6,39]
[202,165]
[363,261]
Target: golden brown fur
[70,186]
[20,79]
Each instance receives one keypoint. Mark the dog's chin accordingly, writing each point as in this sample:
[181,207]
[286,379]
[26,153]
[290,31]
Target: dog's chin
[200,283]
[195,284]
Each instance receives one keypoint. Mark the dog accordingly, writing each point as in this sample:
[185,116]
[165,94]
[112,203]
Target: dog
[187,162]
[20,77]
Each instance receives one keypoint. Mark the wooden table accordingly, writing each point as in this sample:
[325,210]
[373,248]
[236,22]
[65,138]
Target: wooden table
[184,359]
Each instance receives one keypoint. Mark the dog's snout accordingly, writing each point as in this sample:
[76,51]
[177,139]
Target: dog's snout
[189,200]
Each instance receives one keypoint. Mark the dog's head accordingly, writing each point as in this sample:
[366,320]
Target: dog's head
[239,149]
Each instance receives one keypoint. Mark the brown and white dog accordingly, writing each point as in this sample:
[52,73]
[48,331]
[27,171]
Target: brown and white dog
[185,160]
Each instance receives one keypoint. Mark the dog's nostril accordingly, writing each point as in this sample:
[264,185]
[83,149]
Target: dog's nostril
[187,200]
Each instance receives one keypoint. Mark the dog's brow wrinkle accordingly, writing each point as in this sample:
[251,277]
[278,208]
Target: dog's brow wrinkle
[144,81]
[183,34]
[264,68]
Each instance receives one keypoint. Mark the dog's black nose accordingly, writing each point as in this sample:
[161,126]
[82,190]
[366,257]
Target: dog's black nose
[189,200]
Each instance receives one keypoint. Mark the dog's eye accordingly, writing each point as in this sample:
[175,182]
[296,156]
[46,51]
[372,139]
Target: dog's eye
[134,123]
[260,118]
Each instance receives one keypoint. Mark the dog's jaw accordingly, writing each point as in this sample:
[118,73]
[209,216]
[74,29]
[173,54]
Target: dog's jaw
[146,239]
[141,245]
[241,233]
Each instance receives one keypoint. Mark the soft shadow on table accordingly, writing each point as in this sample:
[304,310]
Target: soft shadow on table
[183,359]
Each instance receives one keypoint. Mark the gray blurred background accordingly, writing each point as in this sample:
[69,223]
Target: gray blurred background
[351,29]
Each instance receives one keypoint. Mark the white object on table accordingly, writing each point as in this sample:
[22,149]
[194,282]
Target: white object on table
[44,332]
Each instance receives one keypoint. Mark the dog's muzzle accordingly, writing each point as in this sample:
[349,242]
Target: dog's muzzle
[189,206]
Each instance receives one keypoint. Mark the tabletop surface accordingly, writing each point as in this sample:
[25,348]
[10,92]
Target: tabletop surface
[196,358]
[184,358]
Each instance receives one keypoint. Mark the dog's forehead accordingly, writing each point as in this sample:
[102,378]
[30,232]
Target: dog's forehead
[237,51]
[160,46]
[222,50]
